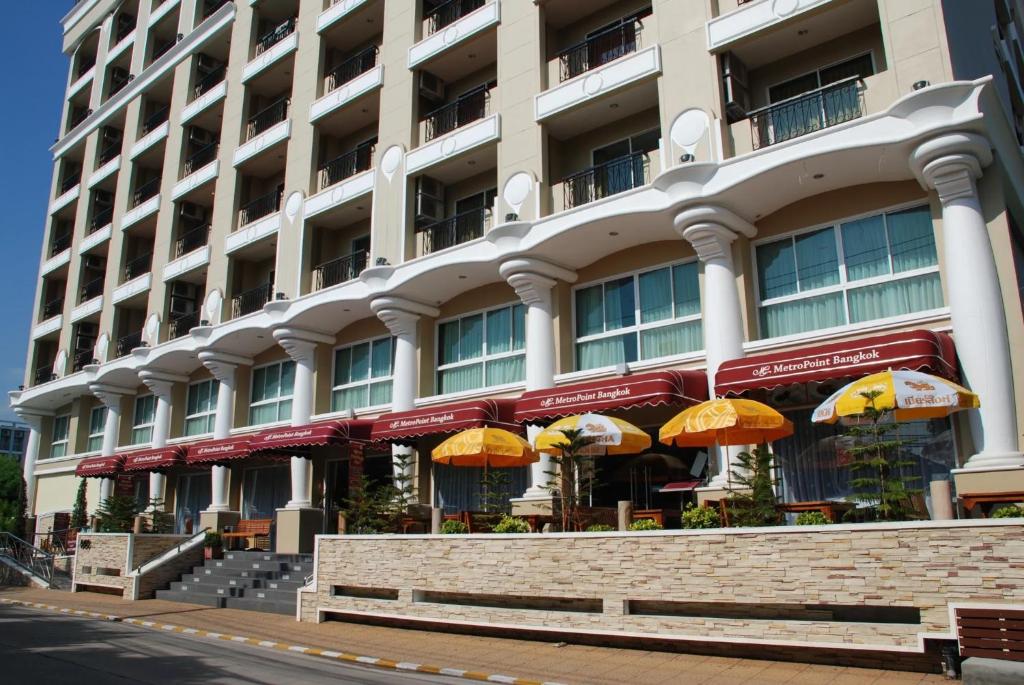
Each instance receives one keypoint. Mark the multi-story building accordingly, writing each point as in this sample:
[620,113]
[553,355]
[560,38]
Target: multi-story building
[281,228]
[13,439]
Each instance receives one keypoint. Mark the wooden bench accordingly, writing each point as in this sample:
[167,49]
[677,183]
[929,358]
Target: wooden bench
[991,633]
[256,532]
[988,500]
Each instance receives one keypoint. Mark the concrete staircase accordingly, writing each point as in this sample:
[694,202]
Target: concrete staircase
[255,581]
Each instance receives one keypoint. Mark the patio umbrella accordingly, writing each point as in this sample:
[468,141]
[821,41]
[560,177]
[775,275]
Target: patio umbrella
[605,433]
[909,395]
[484,447]
[731,421]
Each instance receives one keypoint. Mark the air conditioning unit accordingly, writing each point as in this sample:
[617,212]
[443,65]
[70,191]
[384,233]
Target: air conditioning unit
[190,211]
[181,306]
[95,262]
[431,87]
[205,63]
[200,136]
[734,87]
[429,200]
[184,290]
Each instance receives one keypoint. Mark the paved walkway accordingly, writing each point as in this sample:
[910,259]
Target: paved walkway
[541,661]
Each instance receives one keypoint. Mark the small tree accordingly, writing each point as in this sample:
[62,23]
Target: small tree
[160,521]
[21,521]
[403,480]
[575,475]
[755,504]
[117,514]
[497,489]
[371,508]
[78,513]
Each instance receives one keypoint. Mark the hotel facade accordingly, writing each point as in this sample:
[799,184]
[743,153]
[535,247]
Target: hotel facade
[287,240]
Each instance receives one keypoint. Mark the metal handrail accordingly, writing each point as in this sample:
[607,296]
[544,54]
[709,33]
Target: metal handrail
[449,13]
[127,343]
[156,119]
[93,288]
[44,374]
[346,165]
[136,267]
[275,35]
[191,240]
[272,114]
[57,540]
[162,49]
[210,7]
[468,107]
[182,325]
[124,28]
[599,49]
[101,218]
[454,230]
[53,307]
[145,191]
[251,300]
[28,556]
[70,182]
[808,112]
[200,158]
[177,550]
[117,84]
[209,81]
[85,64]
[603,180]
[339,270]
[77,117]
[360,63]
[81,359]
[110,152]
[60,243]
[265,205]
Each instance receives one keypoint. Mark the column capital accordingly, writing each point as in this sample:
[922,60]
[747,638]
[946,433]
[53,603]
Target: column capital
[712,218]
[950,164]
[401,315]
[222,364]
[710,241]
[532,279]
[110,395]
[161,382]
[32,416]
[301,344]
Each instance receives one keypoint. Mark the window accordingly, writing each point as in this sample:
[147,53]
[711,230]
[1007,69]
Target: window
[201,408]
[59,441]
[482,350]
[97,423]
[144,417]
[865,269]
[272,388]
[647,315]
[362,374]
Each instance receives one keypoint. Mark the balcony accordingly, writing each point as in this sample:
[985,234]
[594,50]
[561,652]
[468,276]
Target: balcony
[345,166]
[180,325]
[339,270]
[155,129]
[753,17]
[211,6]
[349,81]
[275,35]
[358,64]
[452,23]
[455,230]
[191,252]
[264,130]
[200,158]
[78,115]
[48,328]
[144,192]
[271,47]
[137,267]
[54,307]
[117,84]
[81,360]
[91,290]
[100,218]
[265,205]
[211,89]
[59,260]
[813,111]
[44,374]
[59,244]
[162,49]
[251,301]
[476,138]
[154,120]
[337,10]
[468,108]
[66,197]
[604,180]
[267,118]
[127,343]
[191,241]
[600,49]
[208,82]
[70,182]
[450,12]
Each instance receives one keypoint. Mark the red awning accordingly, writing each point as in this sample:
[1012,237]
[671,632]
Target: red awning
[99,467]
[447,418]
[154,459]
[621,392]
[915,350]
[322,433]
[218,450]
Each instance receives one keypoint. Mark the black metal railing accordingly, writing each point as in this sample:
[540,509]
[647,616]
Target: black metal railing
[100,218]
[110,152]
[812,111]
[614,176]
[154,120]
[182,324]
[44,374]
[466,108]
[60,243]
[212,6]
[449,13]
[348,164]
[29,557]
[251,300]
[70,181]
[191,240]
[360,63]
[78,115]
[81,359]
[127,343]
[275,35]
[53,308]
[161,49]
[267,117]
[125,26]
[136,267]
[599,49]
[93,288]
[145,191]
[339,270]
[206,83]
[85,63]
[455,230]
[262,206]
[200,158]
[117,84]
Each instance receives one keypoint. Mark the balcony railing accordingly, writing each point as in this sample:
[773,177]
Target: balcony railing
[137,267]
[44,374]
[53,308]
[145,191]
[449,13]
[182,324]
[109,152]
[154,120]
[206,83]
[275,35]
[125,25]
[262,206]
[127,343]
[77,117]
[212,6]
[192,240]
[85,63]
[339,270]
[161,50]
[200,158]
[81,359]
[117,84]
[70,181]
[267,117]
[251,300]
[348,164]
[467,108]
[358,64]
[818,109]
[100,218]
[59,244]
[93,288]
[599,49]
[455,230]
[615,176]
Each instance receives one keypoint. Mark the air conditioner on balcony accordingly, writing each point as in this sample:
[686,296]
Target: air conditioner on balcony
[94,262]
[429,200]
[190,211]
[734,87]
[431,87]
[200,136]
[181,306]
[184,290]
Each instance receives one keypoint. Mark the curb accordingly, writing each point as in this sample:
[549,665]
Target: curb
[297,649]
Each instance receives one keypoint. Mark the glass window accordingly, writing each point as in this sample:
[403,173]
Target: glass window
[482,350]
[145,415]
[647,315]
[865,269]
[362,374]
[61,432]
[201,407]
[97,422]
[272,388]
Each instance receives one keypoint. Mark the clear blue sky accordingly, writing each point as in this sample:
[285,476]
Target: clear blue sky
[33,80]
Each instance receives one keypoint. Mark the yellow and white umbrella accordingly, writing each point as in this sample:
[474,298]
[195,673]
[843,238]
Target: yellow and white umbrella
[909,395]
[727,421]
[605,433]
[486,447]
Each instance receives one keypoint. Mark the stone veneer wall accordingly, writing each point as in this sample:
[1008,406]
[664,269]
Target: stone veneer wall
[924,565]
[105,563]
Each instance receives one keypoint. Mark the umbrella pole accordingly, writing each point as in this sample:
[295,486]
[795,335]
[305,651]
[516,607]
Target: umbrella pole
[486,498]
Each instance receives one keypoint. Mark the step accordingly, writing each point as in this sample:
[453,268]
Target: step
[266,606]
[247,565]
[190,598]
[282,596]
[213,572]
[199,589]
[268,556]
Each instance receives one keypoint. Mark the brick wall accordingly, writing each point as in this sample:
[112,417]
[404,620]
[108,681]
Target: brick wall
[101,559]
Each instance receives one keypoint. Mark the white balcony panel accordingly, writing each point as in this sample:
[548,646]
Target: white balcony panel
[272,136]
[197,178]
[349,189]
[55,262]
[336,11]
[104,171]
[136,286]
[121,47]
[51,325]
[65,199]
[95,239]
[150,139]
[87,308]
[187,262]
[753,17]
[80,82]
[161,11]
[207,99]
[460,140]
[277,51]
[139,213]
[598,82]
[253,233]
[348,92]
[468,26]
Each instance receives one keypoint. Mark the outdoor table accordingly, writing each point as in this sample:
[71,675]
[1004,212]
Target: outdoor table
[659,516]
[537,521]
[832,510]
[971,500]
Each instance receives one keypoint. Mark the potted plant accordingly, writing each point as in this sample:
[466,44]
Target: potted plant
[213,547]
[695,518]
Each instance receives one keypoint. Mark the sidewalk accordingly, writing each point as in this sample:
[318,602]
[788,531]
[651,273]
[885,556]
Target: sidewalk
[542,661]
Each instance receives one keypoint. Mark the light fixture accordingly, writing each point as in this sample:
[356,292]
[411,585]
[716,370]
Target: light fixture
[462,277]
[382,261]
[511,216]
[471,162]
[686,157]
[613,233]
[622,369]
[614,105]
[204,322]
[802,32]
[918,85]
[280,296]
[818,177]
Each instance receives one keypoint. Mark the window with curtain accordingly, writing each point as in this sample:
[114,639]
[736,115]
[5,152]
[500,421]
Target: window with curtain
[265,490]
[143,419]
[272,388]
[362,374]
[482,350]
[97,422]
[59,438]
[647,315]
[201,407]
[193,495]
[866,269]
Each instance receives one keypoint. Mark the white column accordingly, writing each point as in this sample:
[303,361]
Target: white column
[35,422]
[951,164]
[111,398]
[161,384]
[223,366]
[106,489]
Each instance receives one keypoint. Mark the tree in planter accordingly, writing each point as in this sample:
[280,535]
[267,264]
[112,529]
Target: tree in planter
[372,508]
[10,495]
[117,514]
[160,521]
[79,515]
[755,504]
[497,491]
[574,476]
[403,480]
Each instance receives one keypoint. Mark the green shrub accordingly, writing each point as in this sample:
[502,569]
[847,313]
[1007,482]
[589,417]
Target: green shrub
[700,517]
[599,528]
[454,528]
[1010,511]
[812,518]
[645,524]
[212,539]
[511,524]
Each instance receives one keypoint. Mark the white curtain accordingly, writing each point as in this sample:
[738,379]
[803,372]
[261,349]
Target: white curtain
[266,490]
[193,496]
[606,351]
[808,314]
[895,298]
[459,488]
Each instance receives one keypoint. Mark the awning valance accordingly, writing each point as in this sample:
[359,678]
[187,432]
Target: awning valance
[447,418]
[99,467]
[921,350]
[218,450]
[314,434]
[154,459]
[621,392]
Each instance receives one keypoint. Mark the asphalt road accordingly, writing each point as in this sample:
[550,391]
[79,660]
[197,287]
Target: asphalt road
[42,648]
